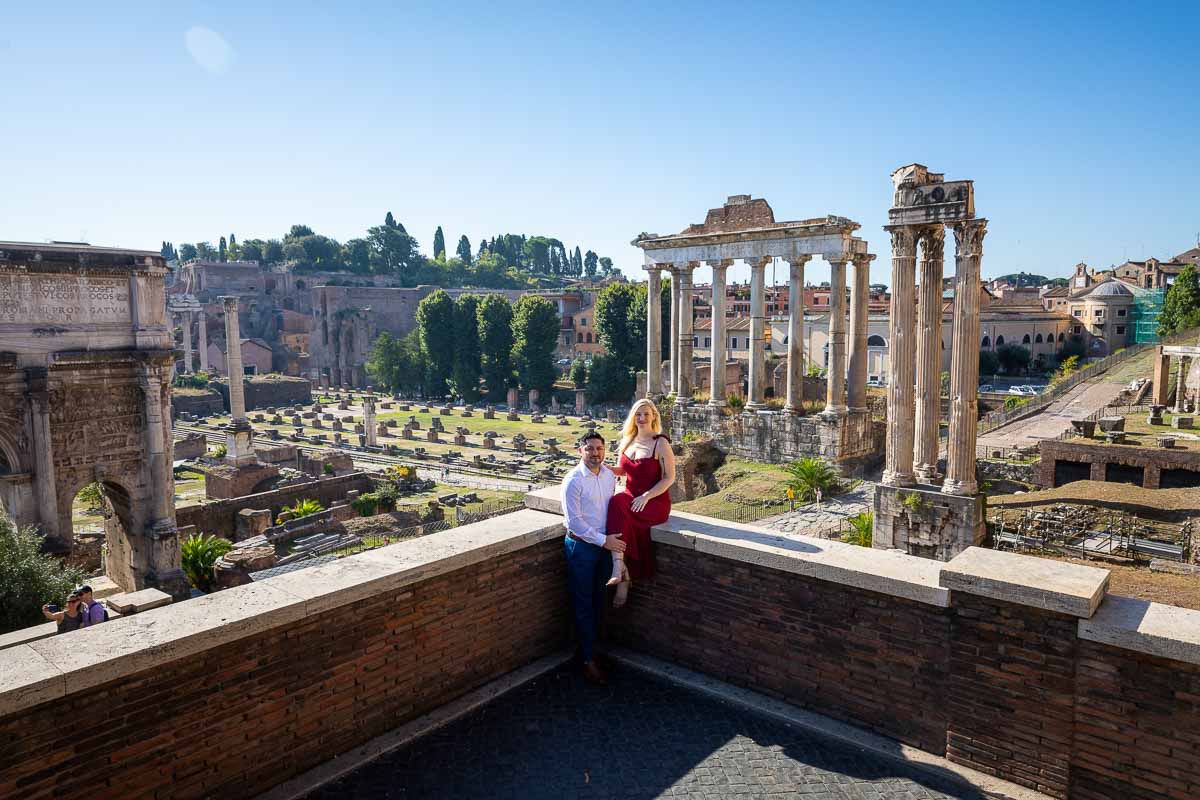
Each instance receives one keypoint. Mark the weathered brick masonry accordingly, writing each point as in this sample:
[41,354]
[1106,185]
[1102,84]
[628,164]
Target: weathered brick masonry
[1160,468]
[246,715]
[876,661]
[219,517]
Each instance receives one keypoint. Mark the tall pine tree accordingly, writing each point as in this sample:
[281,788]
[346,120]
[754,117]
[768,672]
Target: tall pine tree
[464,250]
[439,243]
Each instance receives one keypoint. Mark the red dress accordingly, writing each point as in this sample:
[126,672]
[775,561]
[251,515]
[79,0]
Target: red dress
[640,476]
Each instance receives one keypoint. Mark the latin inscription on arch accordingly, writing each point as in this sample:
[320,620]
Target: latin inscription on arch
[66,300]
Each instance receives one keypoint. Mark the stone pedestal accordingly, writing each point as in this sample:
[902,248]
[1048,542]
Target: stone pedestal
[926,522]
[239,444]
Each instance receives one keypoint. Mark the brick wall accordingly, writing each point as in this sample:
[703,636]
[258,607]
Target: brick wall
[219,517]
[241,717]
[1152,460]
[870,659]
[1005,688]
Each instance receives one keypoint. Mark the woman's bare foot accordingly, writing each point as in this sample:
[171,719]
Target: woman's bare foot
[622,591]
[618,570]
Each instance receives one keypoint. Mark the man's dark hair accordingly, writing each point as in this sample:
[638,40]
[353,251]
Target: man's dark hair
[589,436]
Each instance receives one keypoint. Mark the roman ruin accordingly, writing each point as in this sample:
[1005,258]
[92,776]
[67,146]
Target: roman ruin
[912,512]
[85,373]
[745,229]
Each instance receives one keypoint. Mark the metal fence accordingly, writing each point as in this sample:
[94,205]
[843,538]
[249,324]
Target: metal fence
[478,512]
[1090,370]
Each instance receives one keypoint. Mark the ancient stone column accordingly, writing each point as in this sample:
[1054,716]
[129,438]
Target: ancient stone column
[45,486]
[964,364]
[1162,377]
[239,436]
[202,342]
[835,376]
[758,344]
[187,341]
[716,386]
[795,364]
[673,333]
[856,390]
[369,426]
[653,333]
[157,465]
[901,351]
[929,354]
[683,392]
[1185,363]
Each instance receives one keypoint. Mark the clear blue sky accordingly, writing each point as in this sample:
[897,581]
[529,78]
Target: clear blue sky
[1079,123]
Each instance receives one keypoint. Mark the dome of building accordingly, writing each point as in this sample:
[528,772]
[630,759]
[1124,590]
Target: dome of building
[1112,289]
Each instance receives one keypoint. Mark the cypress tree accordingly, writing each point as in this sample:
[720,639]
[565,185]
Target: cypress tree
[439,243]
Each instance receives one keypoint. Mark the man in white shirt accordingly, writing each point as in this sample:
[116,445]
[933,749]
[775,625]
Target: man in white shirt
[586,491]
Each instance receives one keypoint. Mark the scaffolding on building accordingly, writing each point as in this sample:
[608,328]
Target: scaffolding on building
[1146,309]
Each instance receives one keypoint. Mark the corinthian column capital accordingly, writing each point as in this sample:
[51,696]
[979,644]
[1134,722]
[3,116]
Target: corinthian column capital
[904,241]
[968,236]
[933,240]
[799,261]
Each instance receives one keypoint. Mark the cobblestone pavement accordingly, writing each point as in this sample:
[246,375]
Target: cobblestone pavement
[558,738]
[834,511]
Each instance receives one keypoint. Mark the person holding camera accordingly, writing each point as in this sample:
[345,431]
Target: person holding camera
[70,618]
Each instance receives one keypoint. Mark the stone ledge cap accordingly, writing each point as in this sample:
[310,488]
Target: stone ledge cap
[1027,580]
[1145,627]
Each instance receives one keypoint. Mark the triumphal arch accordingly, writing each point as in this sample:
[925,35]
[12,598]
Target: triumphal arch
[85,371]
[745,229]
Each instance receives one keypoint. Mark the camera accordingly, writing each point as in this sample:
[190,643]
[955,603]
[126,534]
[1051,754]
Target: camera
[52,607]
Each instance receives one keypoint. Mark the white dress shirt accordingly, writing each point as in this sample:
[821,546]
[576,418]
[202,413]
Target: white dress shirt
[585,497]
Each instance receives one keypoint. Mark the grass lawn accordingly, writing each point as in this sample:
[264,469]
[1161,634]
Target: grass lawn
[749,480]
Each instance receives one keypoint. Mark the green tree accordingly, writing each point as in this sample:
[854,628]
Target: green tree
[1181,306]
[609,380]
[389,221]
[393,251]
[233,247]
[299,232]
[435,319]
[205,251]
[439,243]
[222,251]
[535,336]
[606,267]
[590,261]
[989,363]
[187,252]
[808,475]
[252,250]
[273,251]
[1013,358]
[29,578]
[468,352]
[397,364]
[579,373]
[464,250]
[495,316]
[613,312]
[356,255]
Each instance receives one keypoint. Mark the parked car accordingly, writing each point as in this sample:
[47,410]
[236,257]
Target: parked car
[987,387]
[1023,391]
[875,383]
[562,362]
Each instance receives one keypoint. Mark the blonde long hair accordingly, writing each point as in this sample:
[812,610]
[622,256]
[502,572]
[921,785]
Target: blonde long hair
[629,430]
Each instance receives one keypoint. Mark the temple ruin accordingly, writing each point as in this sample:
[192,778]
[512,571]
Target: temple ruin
[85,374]
[912,512]
[745,229]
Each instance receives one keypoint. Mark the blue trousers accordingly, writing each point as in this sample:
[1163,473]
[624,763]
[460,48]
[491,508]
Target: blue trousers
[588,569]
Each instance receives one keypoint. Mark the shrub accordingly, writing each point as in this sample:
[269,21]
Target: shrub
[1014,402]
[736,402]
[198,554]
[387,495]
[220,451]
[861,526]
[808,475]
[304,508]
[365,504]
[327,469]
[29,578]
[912,502]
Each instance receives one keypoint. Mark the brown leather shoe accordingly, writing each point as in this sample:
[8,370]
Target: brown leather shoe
[594,675]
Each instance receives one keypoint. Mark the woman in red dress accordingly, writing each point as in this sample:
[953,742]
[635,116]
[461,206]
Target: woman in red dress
[645,458]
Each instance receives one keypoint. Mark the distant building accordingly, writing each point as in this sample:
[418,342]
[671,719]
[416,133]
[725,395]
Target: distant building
[256,357]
